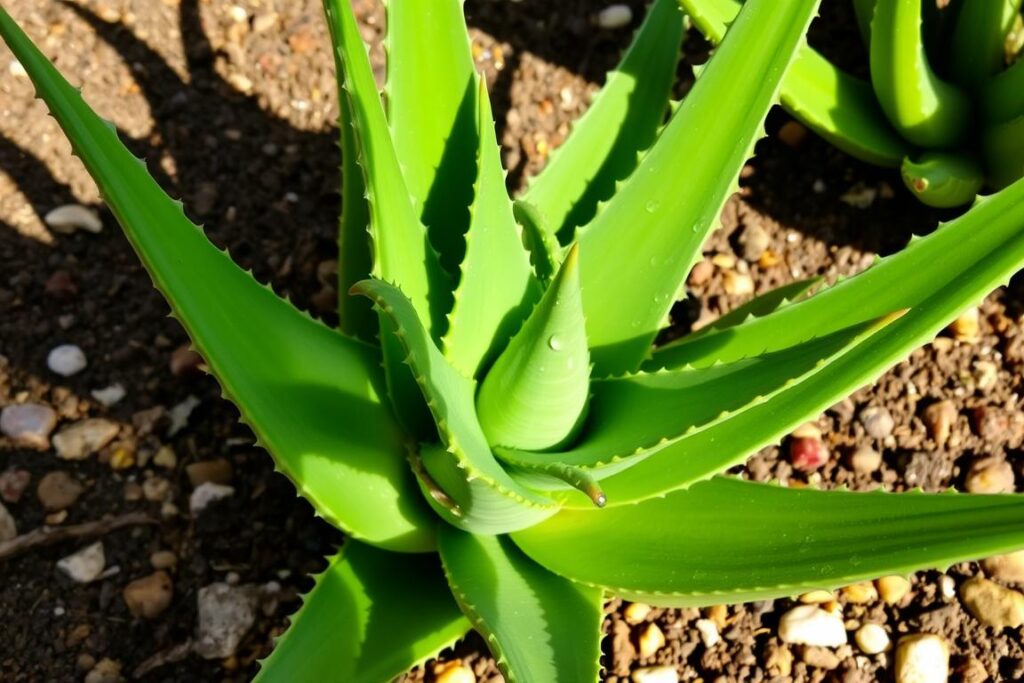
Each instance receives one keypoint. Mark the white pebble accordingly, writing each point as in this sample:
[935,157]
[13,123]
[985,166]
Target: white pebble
[872,639]
[180,413]
[238,14]
[16,69]
[656,674]
[71,217]
[86,565]
[615,16]
[708,632]
[207,493]
[108,396]
[922,658]
[811,625]
[66,360]
[226,613]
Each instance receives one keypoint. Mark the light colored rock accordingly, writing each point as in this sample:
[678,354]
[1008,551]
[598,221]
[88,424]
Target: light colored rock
[58,490]
[636,612]
[105,671]
[820,658]
[28,424]
[85,565]
[861,593]
[947,587]
[163,559]
[655,674]
[754,240]
[180,413]
[108,396]
[453,672]
[226,613]
[218,471]
[66,360]
[708,632]
[811,625]
[877,421]
[149,596]
[922,658]
[650,640]
[71,217]
[8,529]
[872,639]
[737,284]
[615,16]
[992,604]
[82,439]
[1009,567]
[989,476]
[156,489]
[206,494]
[939,418]
[967,328]
[865,460]
[818,597]
[892,588]
[165,457]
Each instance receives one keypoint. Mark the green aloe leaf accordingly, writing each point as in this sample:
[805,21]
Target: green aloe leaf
[535,395]
[926,110]
[312,395]
[370,617]
[497,287]
[1003,147]
[837,106]
[864,11]
[432,109]
[727,540]
[1002,98]
[486,499]
[656,225]
[540,626]
[622,121]
[943,179]
[977,46]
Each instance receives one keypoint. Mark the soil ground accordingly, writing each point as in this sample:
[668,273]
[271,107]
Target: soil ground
[235,112]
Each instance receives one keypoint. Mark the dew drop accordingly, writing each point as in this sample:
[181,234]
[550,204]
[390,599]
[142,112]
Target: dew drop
[554,343]
[652,206]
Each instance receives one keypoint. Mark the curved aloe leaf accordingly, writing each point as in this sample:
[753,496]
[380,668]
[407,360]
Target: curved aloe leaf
[497,287]
[432,109]
[839,107]
[370,617]
[943,179]
[632,103]
[656,225]
[977,45]
[312,395]
[925,109]
[759,306]
[727,540]
[535,395]
[540,626]
[468,458]
[1003,147]
[1002,98]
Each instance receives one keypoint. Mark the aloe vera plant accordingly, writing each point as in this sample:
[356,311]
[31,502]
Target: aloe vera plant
[944,102]
[499,439]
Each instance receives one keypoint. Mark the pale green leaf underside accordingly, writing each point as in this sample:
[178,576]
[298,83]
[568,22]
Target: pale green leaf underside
[539,626]
[726,540]
[621,122]
[534,395]
[664,211]
[432,112]
[497,287]
[371,616]
[449,396]
[297,383]
[839,107]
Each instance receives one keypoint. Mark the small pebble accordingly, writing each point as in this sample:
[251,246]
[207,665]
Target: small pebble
[185,361]
[108,396]
[453,672]
[820,658]
[106,671]
[85,565]
[966,328]
[865,460]
[811,625]
[892,588]
[817,597]
[180,413]
[650,640]
[718,614]
[218,471]
[28,424]
[754,240]
[156,489]
[922,658]
[636,612]
[58,490]
[238,14]
[149,596]
[165,458]
[615,16]
[877,422]
[1009,567]
[208,493]
[83,438]
[8,529]
[988,476]
[701,273]
[986,374]
[13,483]
[807,454]
[71,217]
[939,419]
[792,133]
[708,632]
[66,360]
[872,639]
[737,284]
[947,587]
[226,613]
[861,593]
[56,518]
[655,674]
[992,604]
[163,559]
[61,285]
[860,196]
